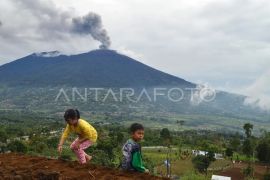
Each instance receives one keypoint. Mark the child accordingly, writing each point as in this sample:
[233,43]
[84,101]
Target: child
[132,159]
[87,135]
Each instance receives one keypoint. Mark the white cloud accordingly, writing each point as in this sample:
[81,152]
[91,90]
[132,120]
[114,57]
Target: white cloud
[259,92]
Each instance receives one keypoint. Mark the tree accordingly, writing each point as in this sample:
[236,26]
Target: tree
[263,151]
[235,143]
[165,136]
[229,152]
[248,148]
[165,133]
[211,156]
[180,123]
[201,163]
[248,145]
[248,129]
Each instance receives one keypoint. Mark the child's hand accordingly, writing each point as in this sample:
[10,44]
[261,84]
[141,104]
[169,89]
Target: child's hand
[60,148]
[77,146]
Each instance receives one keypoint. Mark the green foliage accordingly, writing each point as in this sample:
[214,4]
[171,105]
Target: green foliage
[248,172]
[201,163]
[107,146]
[38,144]
[52,142]
[249,146]
[107,152]
[3,136]
[165,135]
[211,156]
[193,176]
[263,149]
[149,163]
[263,152]
[41,147]
[249,143]
[229,152]
[17,146]
[248,129]
[120,137]
[15,131]
[235,143]
[100,157]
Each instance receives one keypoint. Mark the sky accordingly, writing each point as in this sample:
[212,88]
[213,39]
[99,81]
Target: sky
[224,43]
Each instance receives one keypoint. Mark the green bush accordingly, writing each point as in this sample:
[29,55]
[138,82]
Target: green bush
[17,146]
[201,163]
[101,158]
[248,171]
[41,147]
[52,142]
[3,136]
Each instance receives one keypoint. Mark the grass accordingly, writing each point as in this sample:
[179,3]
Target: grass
[220,164]
[179,167]
[241,157]
[158,156]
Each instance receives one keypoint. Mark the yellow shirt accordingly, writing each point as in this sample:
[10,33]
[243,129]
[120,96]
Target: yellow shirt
[83,130]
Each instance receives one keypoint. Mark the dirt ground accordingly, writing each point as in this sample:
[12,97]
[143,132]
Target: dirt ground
[235,172]
[22,167]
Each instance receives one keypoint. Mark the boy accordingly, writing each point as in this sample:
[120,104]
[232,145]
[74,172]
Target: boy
[132,159]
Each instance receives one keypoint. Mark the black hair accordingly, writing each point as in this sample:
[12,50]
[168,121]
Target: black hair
[72,114]
[135,127]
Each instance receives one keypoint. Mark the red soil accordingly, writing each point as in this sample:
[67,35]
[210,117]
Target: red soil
[22,167]
[236,172]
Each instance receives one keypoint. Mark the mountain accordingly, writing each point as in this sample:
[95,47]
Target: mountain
[36,83]
[98,68]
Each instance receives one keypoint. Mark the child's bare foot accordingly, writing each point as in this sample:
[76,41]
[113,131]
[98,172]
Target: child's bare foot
[88,158]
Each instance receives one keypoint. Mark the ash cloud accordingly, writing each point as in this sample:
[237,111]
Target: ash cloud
[92,24]
[55,23]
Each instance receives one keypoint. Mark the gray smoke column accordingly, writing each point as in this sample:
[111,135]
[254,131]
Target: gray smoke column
[91,24]
[51,22]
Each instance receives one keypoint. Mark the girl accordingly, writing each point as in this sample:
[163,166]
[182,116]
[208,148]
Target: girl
[87,135]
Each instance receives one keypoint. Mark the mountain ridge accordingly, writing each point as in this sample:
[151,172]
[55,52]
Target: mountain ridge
[108,67]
